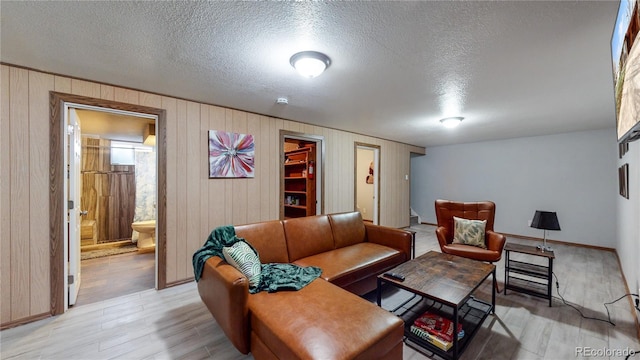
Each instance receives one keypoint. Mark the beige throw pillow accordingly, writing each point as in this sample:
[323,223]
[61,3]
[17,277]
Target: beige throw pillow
[469,232]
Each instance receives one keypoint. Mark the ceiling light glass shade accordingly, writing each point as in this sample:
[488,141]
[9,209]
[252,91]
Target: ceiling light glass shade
[310,63]
[451,122]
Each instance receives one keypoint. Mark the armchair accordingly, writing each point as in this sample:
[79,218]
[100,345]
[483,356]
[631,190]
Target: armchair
[484,210]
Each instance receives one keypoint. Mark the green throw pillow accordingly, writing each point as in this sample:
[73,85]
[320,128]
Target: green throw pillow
[469,232]
[242,257]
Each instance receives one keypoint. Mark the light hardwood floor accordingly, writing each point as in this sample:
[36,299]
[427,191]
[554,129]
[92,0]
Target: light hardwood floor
[174,324]
[112,276]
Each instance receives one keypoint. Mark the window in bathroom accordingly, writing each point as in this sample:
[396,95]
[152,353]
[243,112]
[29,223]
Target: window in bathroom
[122,153]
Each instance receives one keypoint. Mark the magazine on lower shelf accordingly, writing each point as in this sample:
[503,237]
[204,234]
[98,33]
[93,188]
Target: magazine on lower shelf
[438,326]
[432,339]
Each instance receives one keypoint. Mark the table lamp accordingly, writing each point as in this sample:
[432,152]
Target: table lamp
[546,220]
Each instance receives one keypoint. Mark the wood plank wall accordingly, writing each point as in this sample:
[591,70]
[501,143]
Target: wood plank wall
[108,191]
[195,203]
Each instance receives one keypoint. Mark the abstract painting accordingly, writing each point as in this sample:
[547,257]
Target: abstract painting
[231,155]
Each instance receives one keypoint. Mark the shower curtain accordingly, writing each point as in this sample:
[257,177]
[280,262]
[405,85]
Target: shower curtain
[145,163]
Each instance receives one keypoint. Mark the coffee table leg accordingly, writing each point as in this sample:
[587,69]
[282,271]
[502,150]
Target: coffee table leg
[493,292]
[455,332]
[379,292]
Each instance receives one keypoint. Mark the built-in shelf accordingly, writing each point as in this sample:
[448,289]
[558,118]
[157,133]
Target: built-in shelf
[295,206]
[299,188]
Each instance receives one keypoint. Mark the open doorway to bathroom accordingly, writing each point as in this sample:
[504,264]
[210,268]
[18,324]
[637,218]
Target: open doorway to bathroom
[118,204]
[66,213]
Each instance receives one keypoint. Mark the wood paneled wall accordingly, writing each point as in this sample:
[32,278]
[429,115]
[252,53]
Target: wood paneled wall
[195,203]
[108,191]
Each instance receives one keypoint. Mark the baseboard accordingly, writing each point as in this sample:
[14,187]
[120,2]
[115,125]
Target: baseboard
[25,320]
[631,303]
[179,282]
[595,247]
[531,238]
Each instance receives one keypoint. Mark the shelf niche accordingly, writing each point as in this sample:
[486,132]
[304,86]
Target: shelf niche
[299,188]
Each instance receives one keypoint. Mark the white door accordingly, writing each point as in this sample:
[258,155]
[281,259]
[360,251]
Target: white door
[74,213]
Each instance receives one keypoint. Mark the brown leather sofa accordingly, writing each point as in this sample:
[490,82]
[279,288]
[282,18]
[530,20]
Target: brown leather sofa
[326,319]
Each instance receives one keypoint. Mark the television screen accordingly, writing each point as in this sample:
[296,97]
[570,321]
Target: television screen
[625,53]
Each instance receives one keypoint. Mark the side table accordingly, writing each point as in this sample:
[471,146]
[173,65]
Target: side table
[527,277]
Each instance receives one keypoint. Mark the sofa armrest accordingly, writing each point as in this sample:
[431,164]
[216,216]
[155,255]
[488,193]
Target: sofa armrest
[495,241]
[394,238]
[225,291]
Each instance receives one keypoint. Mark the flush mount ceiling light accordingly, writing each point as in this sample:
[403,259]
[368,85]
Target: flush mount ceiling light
[310,63]
[451,122]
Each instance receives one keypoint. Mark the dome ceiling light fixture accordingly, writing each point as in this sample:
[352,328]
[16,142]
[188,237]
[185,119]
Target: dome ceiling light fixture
[310,63]
[451,122]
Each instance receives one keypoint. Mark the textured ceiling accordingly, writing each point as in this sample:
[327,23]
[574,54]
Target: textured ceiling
[512,69]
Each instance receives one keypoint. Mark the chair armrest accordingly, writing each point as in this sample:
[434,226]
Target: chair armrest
[225,291]
[392,237]
[495,241]
[442,234]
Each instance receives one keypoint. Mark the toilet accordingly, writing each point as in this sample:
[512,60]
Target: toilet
[147,235]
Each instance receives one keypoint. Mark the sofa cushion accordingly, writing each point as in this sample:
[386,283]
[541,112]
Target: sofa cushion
[268,240]
[473,252]
[241,256]
[469,232]
[348,229]
[322,321]
[353,263]
[307,236]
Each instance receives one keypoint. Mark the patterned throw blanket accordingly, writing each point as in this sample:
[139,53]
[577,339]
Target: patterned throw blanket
[275,276]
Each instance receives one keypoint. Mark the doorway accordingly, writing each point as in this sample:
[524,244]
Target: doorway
[118,197]
[65,204]
[367,181]
[301,174]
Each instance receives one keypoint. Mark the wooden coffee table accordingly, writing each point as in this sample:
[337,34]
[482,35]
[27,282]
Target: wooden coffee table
[446,284]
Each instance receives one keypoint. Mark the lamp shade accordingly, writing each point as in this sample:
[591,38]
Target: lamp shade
[547,220]
[149,135]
